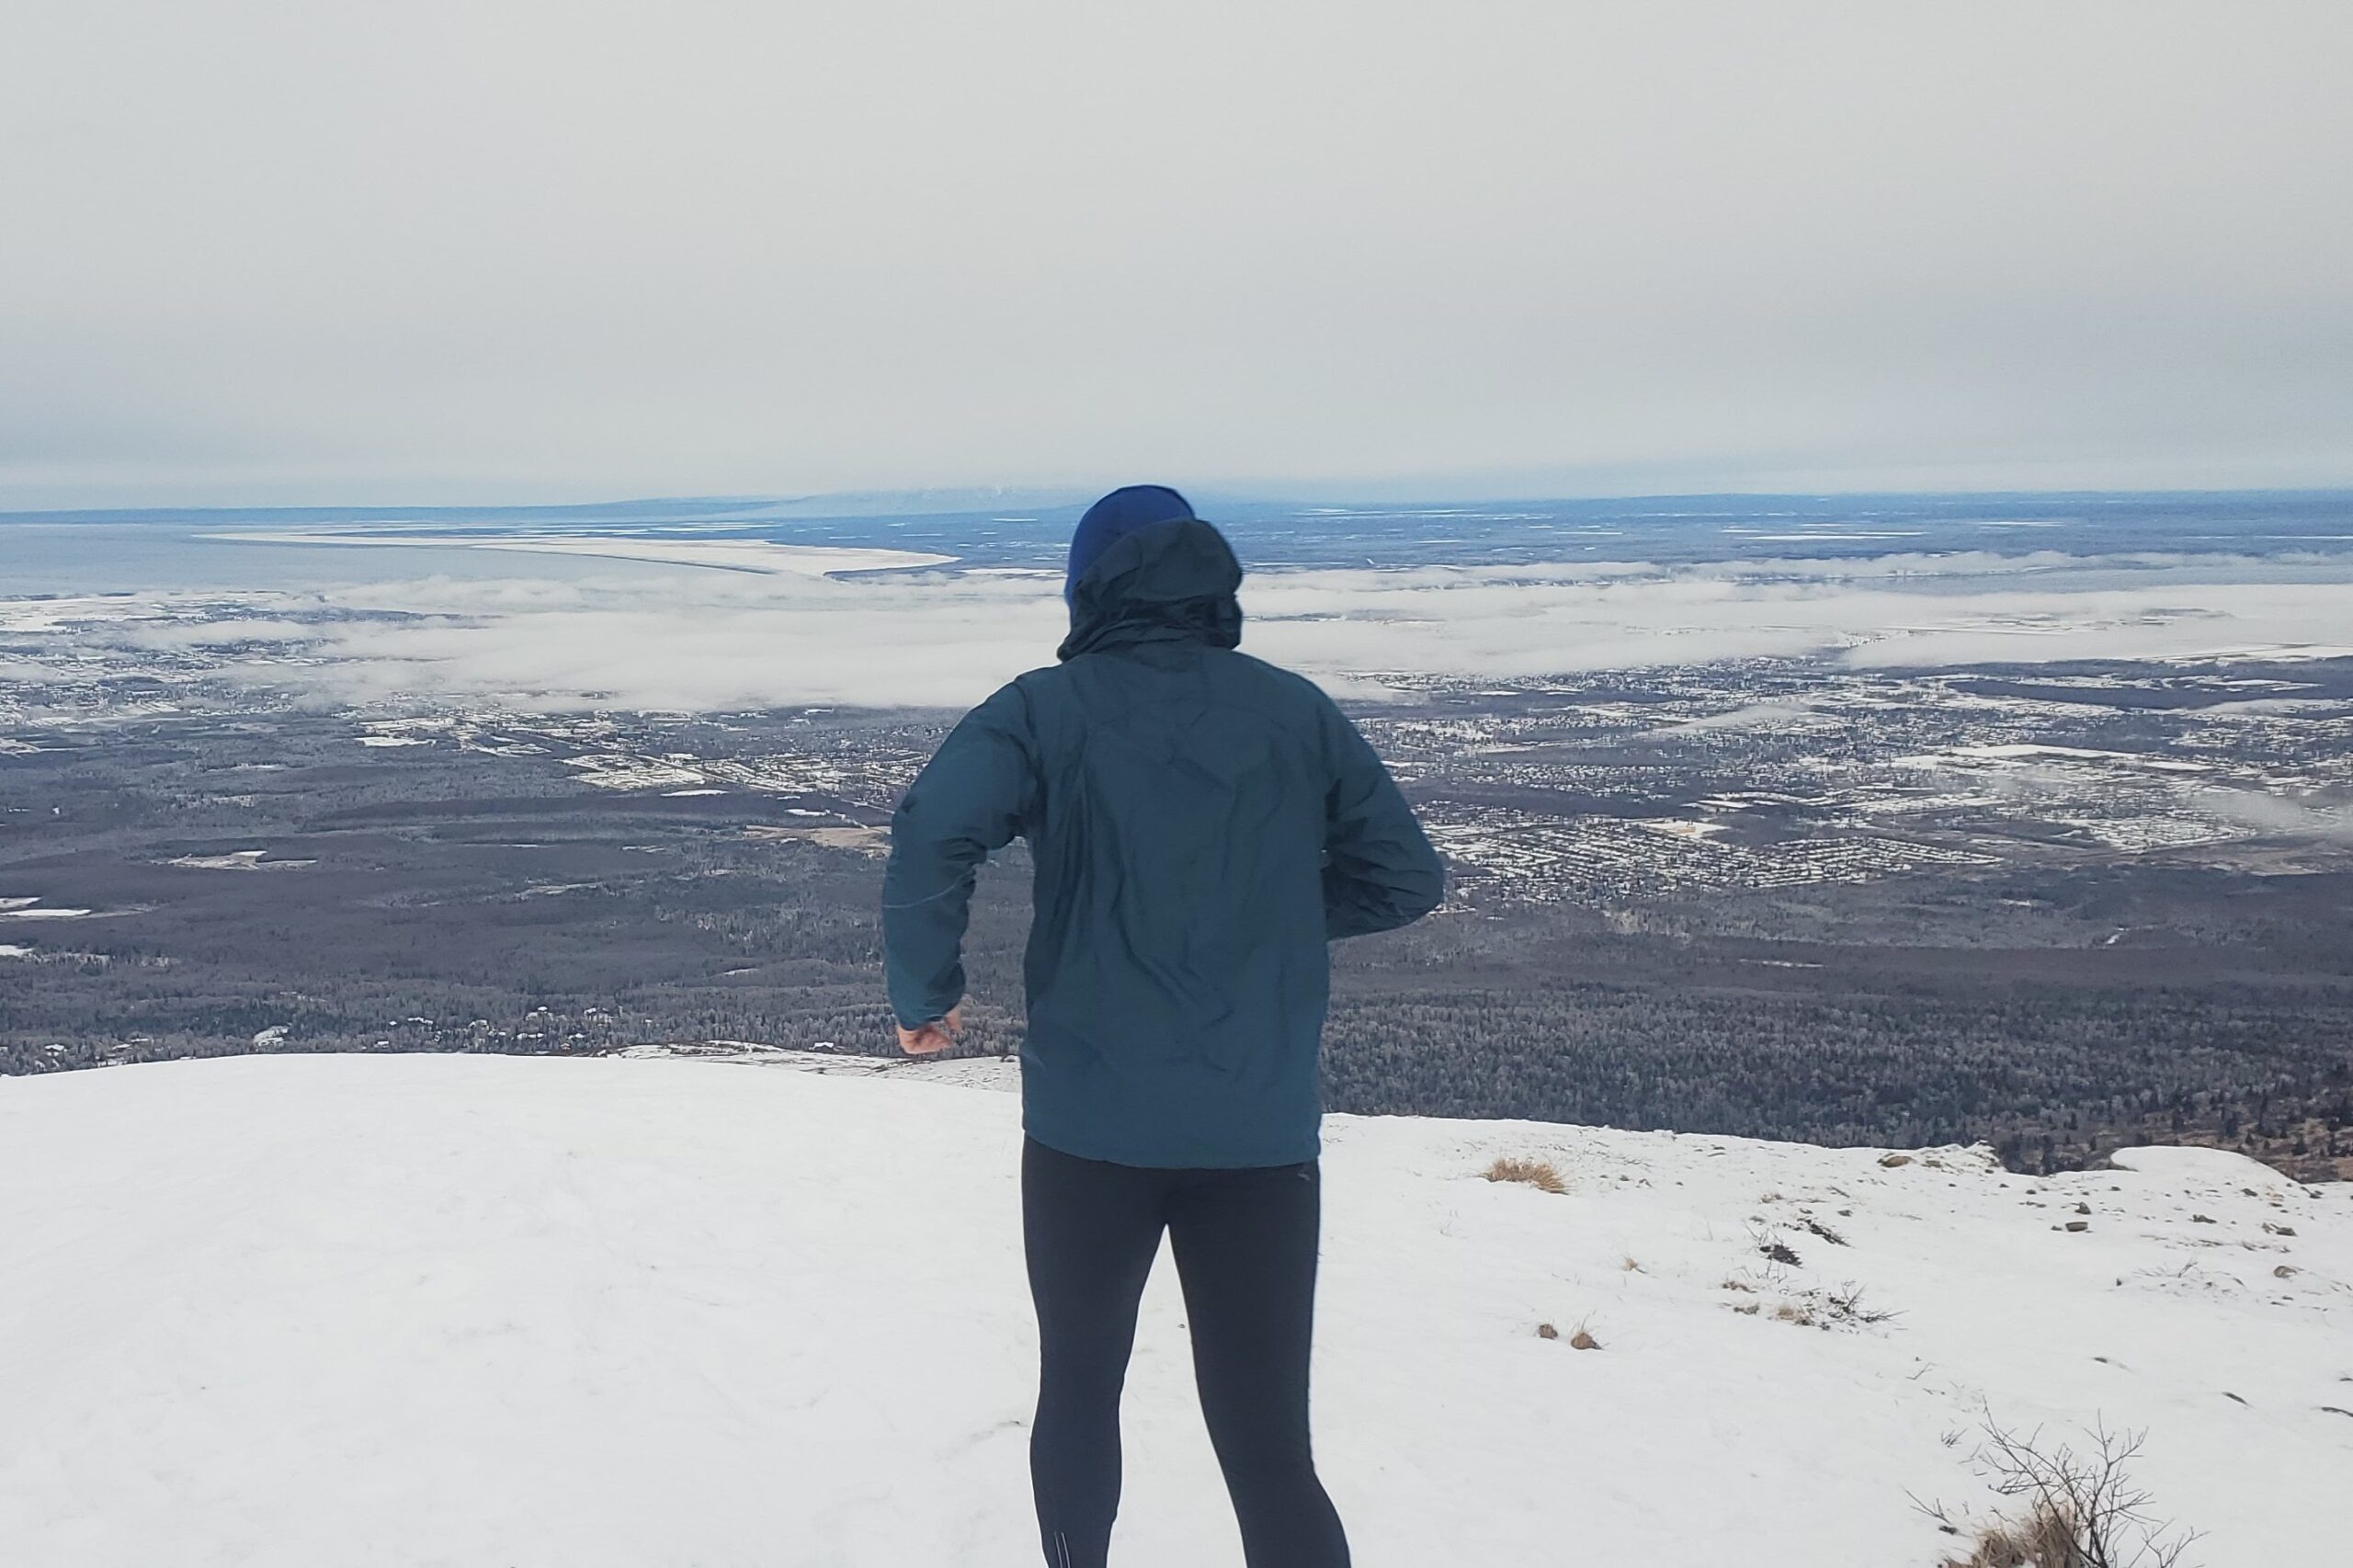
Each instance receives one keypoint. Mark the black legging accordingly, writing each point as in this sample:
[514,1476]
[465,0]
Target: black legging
[1246,1244]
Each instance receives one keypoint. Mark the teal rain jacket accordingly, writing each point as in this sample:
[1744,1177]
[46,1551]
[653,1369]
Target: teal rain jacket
[1201,823]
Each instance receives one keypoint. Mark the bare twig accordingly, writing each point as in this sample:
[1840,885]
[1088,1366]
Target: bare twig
[2078,1509]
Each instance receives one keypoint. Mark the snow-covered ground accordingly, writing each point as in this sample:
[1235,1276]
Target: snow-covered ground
[291,1311]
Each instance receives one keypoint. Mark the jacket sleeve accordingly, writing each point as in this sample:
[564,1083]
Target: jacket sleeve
[1380,872]
[972,798]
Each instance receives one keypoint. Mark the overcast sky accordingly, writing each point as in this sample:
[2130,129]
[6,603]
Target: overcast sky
[566,249]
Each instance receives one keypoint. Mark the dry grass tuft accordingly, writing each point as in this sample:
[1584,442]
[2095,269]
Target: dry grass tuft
[1583,1340]
[2045,1539]
[1537,1173]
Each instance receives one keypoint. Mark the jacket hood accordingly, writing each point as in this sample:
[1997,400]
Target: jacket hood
[1116,516]
[1167,581]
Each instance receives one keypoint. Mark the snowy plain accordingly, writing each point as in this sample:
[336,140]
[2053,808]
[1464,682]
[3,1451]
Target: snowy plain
[297,1311]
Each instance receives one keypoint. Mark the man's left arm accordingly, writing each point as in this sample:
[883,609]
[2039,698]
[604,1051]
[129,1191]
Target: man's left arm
[970,800]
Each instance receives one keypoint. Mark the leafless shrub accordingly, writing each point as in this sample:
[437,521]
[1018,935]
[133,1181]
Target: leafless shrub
[1846,1305]
[1770,1246]
[1807,1308]
[2071,1508]
[1842,1308]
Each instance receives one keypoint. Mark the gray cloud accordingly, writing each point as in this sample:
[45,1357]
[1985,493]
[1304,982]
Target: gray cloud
[456,250]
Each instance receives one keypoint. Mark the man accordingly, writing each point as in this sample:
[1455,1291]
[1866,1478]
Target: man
[1201,824]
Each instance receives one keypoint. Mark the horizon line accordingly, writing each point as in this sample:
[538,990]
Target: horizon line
[1050,497]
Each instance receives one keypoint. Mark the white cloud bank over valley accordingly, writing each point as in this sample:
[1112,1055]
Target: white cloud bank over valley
[666,639]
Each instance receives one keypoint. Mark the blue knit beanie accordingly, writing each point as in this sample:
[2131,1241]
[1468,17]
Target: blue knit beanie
[1114,517]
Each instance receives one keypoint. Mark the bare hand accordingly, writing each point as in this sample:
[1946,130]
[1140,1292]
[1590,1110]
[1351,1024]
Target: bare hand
[934,1036]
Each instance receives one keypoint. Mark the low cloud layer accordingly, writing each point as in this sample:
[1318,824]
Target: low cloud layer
[726,640]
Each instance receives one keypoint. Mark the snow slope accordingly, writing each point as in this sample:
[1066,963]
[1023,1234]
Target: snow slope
[495,1312]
